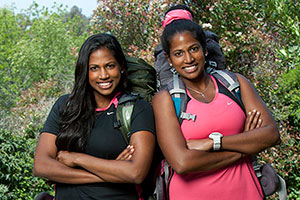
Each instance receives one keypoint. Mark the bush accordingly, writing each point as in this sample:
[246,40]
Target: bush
[16,163]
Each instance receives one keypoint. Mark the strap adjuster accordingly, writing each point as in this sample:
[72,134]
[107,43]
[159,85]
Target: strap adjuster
[188,116]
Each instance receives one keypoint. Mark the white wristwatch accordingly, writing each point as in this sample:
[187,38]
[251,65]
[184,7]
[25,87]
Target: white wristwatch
[216,137]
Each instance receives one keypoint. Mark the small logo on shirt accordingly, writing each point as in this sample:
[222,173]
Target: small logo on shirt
[229,103]
[110,113]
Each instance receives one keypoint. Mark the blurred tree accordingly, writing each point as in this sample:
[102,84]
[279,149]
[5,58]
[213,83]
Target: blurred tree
[10,33]
[137,27]
[83,21]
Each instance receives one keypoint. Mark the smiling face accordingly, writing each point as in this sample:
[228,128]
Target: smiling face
[186,55]
[104,75]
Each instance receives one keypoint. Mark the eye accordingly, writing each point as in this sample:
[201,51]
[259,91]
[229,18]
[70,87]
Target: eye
[178,53]
[194,48]
[93,67]
[111,66]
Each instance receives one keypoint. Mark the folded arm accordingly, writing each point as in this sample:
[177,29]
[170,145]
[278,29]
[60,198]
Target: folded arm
[133,170]
[46,165]
[253,141]
[174,147]
[260,131]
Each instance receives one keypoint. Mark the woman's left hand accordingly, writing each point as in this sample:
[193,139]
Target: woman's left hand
[203,144]
[67,158]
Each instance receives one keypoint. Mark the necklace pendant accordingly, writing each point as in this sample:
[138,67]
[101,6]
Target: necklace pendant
[202,95]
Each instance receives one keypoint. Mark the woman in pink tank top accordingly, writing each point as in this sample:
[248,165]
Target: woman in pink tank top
[211,155]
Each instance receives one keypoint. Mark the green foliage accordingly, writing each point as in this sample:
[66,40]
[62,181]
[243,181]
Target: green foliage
[42,45]
[9,34]
[136,27]
[82,26]
[289,91]
[38,48]
[46,50]
[16,162]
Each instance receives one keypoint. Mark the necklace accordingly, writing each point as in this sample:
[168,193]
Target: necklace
[199,92]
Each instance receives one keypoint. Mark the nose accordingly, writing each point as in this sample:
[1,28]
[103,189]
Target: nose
[103,74]
[189,58]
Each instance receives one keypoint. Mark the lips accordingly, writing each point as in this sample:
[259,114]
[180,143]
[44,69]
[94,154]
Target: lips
[190,69]
[104,85]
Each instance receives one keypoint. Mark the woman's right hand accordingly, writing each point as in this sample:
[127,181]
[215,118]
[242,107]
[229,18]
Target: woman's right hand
[126,154]
[253,120]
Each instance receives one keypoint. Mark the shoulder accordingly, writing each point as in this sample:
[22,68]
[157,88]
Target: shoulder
[242,79]
[142,105]
[61,101]
[163,95]
[245,84]
[63,98]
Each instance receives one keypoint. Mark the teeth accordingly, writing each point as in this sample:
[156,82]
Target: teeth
[104,84]
[190,68]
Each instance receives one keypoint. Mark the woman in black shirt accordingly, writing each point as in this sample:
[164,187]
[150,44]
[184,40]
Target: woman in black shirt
[79,148]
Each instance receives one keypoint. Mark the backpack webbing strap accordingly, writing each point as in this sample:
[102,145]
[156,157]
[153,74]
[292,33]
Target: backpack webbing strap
[123,114]
[229,79]
[282,188]
[176,90]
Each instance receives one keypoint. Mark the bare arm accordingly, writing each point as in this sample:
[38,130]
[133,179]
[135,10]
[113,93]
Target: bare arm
[46,165]
[173,144]
[125,171]
[253,121]
[253,141]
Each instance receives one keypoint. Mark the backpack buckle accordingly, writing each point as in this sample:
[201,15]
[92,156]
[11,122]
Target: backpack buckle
[188,116]
[213,64]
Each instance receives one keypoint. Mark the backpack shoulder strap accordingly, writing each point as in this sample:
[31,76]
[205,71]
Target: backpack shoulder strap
[228,84]
[123,113]
[180,99]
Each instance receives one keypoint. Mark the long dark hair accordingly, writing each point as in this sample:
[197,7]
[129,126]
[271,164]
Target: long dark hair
[78,114]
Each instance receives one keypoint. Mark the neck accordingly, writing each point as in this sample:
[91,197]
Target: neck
[105,101]
[199,83]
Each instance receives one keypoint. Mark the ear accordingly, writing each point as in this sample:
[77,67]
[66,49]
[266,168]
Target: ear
[122,69]
[169,59]
[205,52]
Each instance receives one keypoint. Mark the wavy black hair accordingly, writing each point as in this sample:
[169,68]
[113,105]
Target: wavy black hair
[78,114]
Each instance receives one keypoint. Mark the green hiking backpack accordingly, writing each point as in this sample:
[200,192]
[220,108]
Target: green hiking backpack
[141,77]
[142,83]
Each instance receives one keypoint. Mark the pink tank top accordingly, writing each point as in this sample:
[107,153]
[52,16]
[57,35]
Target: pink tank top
[234,182]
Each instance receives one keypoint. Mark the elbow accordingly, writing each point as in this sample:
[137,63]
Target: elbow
[137,176]
[138,180]
[36,171]
[180,166]
[275,138]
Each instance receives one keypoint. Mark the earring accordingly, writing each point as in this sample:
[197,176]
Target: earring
[122,71]
[171,65]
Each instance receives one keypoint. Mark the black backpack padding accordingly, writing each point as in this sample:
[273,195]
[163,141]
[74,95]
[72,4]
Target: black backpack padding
[215,52]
